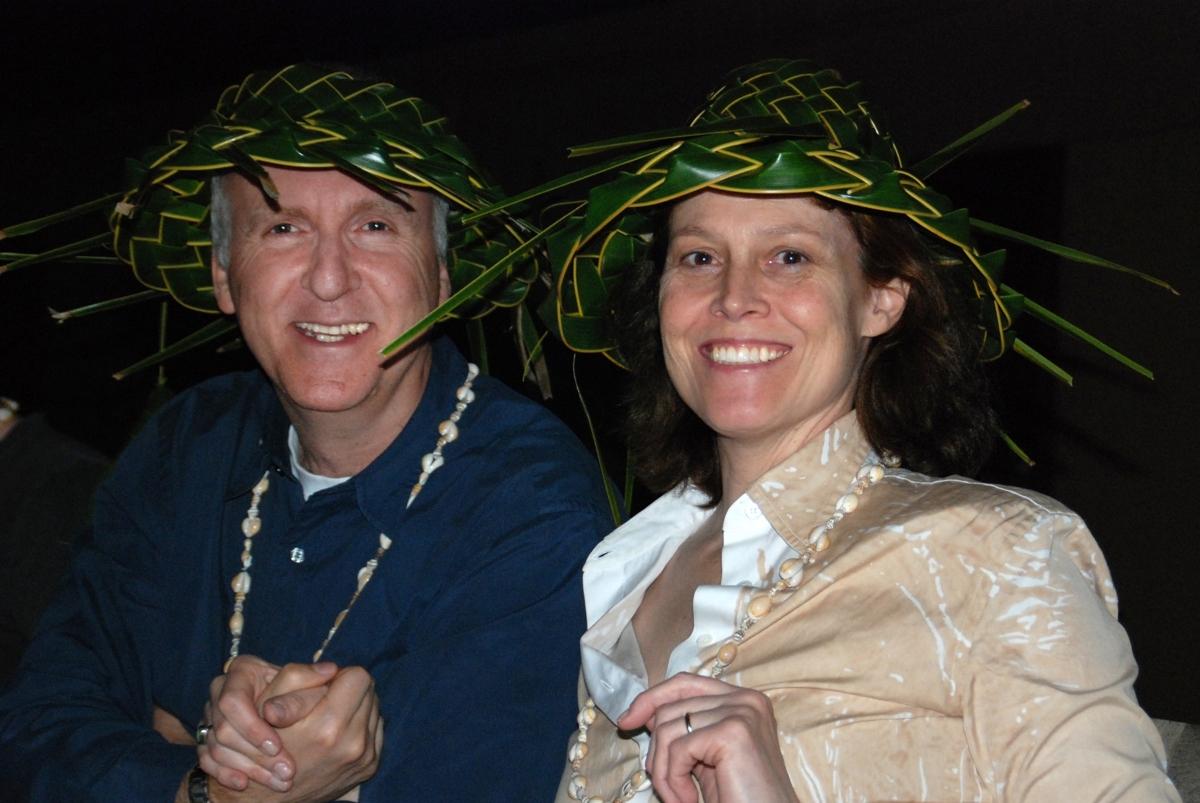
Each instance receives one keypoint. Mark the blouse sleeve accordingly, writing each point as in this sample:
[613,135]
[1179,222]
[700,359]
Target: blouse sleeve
[1049,707]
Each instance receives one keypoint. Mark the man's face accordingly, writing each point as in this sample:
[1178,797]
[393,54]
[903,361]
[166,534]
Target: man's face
[321,283]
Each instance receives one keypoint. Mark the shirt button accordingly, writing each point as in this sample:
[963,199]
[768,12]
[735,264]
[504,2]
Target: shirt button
[297,555]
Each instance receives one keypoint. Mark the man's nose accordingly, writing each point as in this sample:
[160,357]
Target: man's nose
[331,273]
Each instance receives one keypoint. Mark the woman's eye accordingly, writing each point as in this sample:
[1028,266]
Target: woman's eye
[697,259]
[789,256]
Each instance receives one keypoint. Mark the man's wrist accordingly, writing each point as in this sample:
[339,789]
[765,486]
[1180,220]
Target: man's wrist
[195,787]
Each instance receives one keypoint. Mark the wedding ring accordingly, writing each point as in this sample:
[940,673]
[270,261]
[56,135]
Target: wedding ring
[687,722]
[202,732]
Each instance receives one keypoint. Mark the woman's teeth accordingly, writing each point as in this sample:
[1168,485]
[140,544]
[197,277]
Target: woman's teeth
[744,355]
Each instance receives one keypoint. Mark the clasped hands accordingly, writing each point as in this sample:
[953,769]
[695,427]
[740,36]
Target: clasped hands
[301,732]
[723,736]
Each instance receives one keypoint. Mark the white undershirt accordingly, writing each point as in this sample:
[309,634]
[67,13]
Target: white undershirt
[310,483]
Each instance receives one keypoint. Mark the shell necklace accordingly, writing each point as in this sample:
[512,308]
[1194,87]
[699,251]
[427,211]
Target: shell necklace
[252,524]
[790,573]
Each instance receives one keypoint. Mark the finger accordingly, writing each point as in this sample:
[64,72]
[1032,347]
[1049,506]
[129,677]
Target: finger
[673,689]
[287,709]
[228,749]
[296,677]
[234,703]
[662,745]
[235,771]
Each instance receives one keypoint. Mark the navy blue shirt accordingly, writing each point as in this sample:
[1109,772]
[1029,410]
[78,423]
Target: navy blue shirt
[469,627]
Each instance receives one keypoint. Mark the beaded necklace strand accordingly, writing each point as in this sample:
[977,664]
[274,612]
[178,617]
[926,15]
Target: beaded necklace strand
[252,524]
[790,573]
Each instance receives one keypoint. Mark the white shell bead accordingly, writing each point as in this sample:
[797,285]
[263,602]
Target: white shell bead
[241,583]
[577,787]
[432,462]
[760,606]
[847,504]
[448,430]
[385,543]
[261,486]
[364,576]
[251,526]
[236,623]
[587,716]
[640,780]
[578,750]
[465,394]
[821,542]
[792,567]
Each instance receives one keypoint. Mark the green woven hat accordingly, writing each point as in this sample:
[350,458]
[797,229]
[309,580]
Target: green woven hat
[301,116]
[774,127]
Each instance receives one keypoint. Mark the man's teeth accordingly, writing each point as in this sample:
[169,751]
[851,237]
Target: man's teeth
[332,333]
[744,355]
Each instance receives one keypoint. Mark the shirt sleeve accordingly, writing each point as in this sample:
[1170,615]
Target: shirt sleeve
[75,723]
[1049,707]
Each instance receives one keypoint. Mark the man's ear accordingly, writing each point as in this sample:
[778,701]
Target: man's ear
[885,305]
[220,277]
[443,282]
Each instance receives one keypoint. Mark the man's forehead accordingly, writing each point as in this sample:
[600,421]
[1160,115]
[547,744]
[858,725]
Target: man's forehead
[324,187]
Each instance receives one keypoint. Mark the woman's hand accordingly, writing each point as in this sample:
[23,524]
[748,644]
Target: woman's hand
[732,749]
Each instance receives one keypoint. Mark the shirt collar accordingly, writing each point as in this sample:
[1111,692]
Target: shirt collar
[801,492]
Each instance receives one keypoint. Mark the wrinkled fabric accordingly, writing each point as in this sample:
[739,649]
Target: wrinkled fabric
[469,626]
[957,641]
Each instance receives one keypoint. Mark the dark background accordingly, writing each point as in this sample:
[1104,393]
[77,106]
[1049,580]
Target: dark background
[1106,159]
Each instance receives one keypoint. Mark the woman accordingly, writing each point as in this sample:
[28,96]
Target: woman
[807,614]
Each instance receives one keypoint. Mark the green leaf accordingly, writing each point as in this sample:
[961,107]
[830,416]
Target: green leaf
[936,161]
[104,306]
[90,259]
[198,338]
[465,294]
[1066,253]
[1017,450]
[1041,360]
[30,226]
[556,184]
[71,249]
[614,505]
[1038,311]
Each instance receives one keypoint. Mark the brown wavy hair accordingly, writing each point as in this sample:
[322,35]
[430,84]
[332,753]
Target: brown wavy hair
[922,392]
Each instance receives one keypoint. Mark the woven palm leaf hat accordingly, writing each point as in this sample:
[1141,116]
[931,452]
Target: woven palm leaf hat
[301,116]
[775,127]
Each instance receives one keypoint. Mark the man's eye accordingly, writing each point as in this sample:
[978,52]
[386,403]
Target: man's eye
[697,258]
[282,228]
[377,225]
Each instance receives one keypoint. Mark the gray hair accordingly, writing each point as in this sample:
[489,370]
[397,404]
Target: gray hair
[220,222]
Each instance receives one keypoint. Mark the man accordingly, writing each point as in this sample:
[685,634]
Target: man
[405,535]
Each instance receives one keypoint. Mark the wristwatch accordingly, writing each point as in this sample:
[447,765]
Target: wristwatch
[197,786]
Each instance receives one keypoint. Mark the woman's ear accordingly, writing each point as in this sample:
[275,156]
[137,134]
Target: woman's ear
[885,305]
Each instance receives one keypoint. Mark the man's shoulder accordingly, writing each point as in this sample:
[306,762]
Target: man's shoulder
[210,403]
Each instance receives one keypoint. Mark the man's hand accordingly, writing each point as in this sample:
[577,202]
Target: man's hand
[335,747]
[242,745]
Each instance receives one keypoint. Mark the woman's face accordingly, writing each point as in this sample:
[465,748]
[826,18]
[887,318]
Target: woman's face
[766,315]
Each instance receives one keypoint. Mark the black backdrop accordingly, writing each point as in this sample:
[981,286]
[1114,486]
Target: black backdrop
[1106,159]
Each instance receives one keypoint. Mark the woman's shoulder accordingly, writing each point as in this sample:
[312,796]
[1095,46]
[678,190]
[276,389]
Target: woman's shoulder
[923,492]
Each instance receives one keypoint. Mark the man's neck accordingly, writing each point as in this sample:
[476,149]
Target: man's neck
[343,443]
